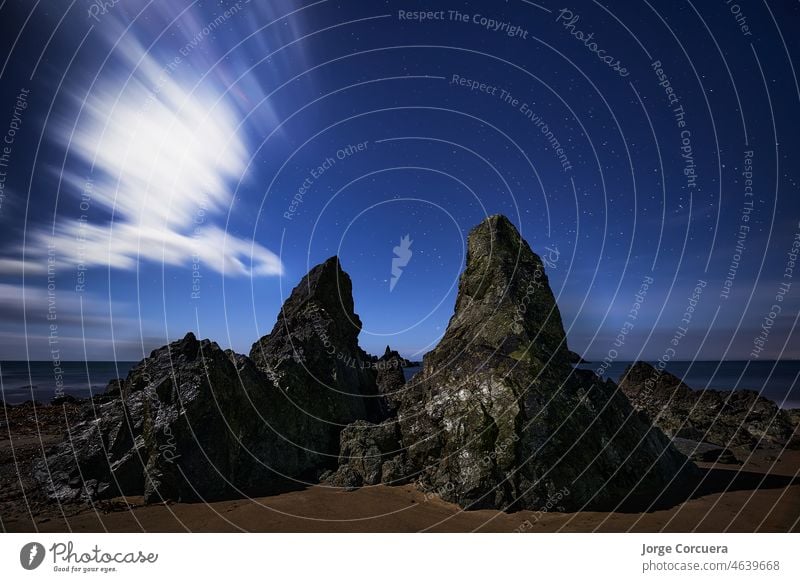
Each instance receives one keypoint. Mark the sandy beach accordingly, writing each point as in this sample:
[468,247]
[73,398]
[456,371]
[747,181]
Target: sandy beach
[762,495]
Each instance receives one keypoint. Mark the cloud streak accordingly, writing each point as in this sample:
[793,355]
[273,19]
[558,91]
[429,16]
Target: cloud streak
[161,160]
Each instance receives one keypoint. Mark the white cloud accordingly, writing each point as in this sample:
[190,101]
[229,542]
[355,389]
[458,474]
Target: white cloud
[164,161]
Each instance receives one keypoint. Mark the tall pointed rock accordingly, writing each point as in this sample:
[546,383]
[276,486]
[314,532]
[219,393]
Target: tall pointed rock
[312,356]
[499,418]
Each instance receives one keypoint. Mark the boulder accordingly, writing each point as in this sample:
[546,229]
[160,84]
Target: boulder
[65,399]
[739,418]
[367,454]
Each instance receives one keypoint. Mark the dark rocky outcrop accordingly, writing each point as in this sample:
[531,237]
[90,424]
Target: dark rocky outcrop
[312,354]
[404,362]
[499,418]
[369,453]
[794,418]
[390,381]
[190,422]
[739,418]
[64,399]
[194,422]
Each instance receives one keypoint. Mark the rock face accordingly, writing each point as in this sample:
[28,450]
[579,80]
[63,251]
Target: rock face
[740,418]
[312,356]
[794,417]
[498,418]
[368,455]
[190,422]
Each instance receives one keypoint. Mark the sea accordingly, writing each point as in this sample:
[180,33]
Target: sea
[777,381]
[43,381]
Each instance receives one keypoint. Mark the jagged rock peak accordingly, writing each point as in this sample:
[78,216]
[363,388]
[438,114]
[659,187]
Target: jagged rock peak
[504,298]
[320,306]
[325,277]
[312,354]
[329,288]
[188,346]
[497,242]
[499,418]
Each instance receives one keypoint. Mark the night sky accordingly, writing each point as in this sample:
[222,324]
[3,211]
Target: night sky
[175,166]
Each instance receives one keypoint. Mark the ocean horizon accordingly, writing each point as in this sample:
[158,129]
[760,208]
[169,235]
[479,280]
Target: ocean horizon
[40,380]
[43,380]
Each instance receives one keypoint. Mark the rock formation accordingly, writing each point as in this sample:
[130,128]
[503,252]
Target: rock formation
[794,418]
[390,380]
[195,422]
[575,358]
[190,422]
[370,454]
[740,418]
[499,418]
[313,357]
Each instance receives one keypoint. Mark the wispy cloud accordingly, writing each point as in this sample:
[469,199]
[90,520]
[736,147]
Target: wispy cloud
[162,160]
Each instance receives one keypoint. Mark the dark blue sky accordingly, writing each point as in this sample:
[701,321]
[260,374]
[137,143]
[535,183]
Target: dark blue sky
[180,165]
